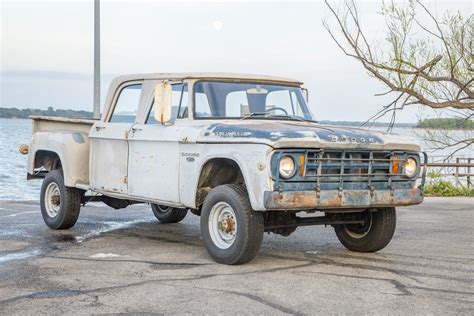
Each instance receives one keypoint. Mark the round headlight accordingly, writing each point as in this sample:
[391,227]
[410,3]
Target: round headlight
[287,167]
[409,167]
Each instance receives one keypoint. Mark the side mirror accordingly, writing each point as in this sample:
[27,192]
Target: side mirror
[163,99]
[306,94]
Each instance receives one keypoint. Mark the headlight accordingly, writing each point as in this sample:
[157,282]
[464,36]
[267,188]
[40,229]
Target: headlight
[409,167]
[287,167]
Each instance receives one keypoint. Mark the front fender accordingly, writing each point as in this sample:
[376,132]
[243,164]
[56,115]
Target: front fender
[252,160]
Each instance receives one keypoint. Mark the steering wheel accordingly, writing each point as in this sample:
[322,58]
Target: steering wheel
[277,108]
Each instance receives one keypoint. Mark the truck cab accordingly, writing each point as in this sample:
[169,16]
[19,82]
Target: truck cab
[243,152]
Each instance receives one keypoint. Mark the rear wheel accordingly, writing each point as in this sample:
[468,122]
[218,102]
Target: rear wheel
[373,235]
[60,205]
[168,215]
[232,232]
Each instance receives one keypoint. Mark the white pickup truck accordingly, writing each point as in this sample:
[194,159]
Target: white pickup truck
[241,151]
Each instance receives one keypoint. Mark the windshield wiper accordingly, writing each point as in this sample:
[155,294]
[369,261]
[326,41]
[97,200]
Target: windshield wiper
[252,114]
[266,114]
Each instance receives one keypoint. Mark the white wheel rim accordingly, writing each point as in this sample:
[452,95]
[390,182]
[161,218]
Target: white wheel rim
[52,199]
[222,225]
[357,235]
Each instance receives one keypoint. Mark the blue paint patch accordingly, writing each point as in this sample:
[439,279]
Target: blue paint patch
[294,130]
[78,138]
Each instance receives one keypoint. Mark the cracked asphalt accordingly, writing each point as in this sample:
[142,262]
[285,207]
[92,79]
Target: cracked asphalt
[125,261]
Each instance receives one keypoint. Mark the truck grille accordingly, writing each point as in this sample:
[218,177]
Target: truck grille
[341,169]
[351,165]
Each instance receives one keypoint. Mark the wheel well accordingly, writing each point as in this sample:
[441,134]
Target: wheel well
[216,172]
[47,159]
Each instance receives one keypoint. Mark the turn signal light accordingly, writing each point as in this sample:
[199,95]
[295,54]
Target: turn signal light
[302,159]
[395,166]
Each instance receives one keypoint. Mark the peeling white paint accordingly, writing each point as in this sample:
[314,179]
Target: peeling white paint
[276,134]
[311,134]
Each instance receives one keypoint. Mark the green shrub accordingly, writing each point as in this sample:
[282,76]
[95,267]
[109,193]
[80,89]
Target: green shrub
[440,187]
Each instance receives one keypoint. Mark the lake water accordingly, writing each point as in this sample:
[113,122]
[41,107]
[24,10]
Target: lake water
[13,184]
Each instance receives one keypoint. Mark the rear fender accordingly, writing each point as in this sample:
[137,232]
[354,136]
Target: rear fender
[72,148]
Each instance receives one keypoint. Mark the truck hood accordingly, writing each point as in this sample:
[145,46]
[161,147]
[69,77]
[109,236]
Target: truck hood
[284,134]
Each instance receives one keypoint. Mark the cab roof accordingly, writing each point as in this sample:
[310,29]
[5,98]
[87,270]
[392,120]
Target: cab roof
[204,75]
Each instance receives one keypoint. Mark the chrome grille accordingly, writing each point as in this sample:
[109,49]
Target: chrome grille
[352,169]
[351,165]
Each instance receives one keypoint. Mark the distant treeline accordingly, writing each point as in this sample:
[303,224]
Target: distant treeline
[25,113]
[369,124]
[446,123]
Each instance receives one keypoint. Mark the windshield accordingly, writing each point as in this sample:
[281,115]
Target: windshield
[248,100]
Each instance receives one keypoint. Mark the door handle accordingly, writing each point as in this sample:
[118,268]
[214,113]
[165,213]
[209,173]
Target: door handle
[98,128]
[136,129]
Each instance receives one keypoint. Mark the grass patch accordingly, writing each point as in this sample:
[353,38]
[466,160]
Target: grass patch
[440,187]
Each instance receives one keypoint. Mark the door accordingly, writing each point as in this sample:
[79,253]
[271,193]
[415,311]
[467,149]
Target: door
[153,171]
[109,143]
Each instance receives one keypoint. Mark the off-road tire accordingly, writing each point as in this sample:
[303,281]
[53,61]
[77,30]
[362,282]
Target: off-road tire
[250,225]
[168,215]
[376,237]
[69,205]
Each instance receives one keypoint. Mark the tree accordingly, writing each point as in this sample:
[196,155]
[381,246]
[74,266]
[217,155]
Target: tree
[428,63]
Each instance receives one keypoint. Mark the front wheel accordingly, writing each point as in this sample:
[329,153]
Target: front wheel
[232,232]
[60,205]
[373,235]
[167,214]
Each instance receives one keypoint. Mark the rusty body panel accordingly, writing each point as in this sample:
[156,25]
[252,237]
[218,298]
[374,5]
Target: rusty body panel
[334,199]
[288,134]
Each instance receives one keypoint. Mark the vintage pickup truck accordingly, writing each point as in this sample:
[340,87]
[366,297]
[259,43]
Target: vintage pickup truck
[241,151]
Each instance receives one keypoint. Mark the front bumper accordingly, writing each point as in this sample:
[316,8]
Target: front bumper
[333,199]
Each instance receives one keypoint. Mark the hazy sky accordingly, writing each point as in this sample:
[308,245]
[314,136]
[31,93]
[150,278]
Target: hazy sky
[47,49]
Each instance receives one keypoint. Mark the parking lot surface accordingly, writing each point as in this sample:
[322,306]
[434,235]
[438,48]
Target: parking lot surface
[125,261]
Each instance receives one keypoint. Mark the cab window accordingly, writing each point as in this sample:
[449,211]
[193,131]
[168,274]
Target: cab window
[126,107]
[237,104]
[221,99]
[202,107]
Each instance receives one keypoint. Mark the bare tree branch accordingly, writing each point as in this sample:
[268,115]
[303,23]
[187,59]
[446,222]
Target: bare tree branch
[434,69]
[441,80]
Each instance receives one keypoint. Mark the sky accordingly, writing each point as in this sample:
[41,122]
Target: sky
[47,49]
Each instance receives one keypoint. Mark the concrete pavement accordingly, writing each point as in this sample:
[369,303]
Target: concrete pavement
[124,261]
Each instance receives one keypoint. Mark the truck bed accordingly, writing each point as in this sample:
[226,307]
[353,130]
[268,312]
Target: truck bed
[57,124]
